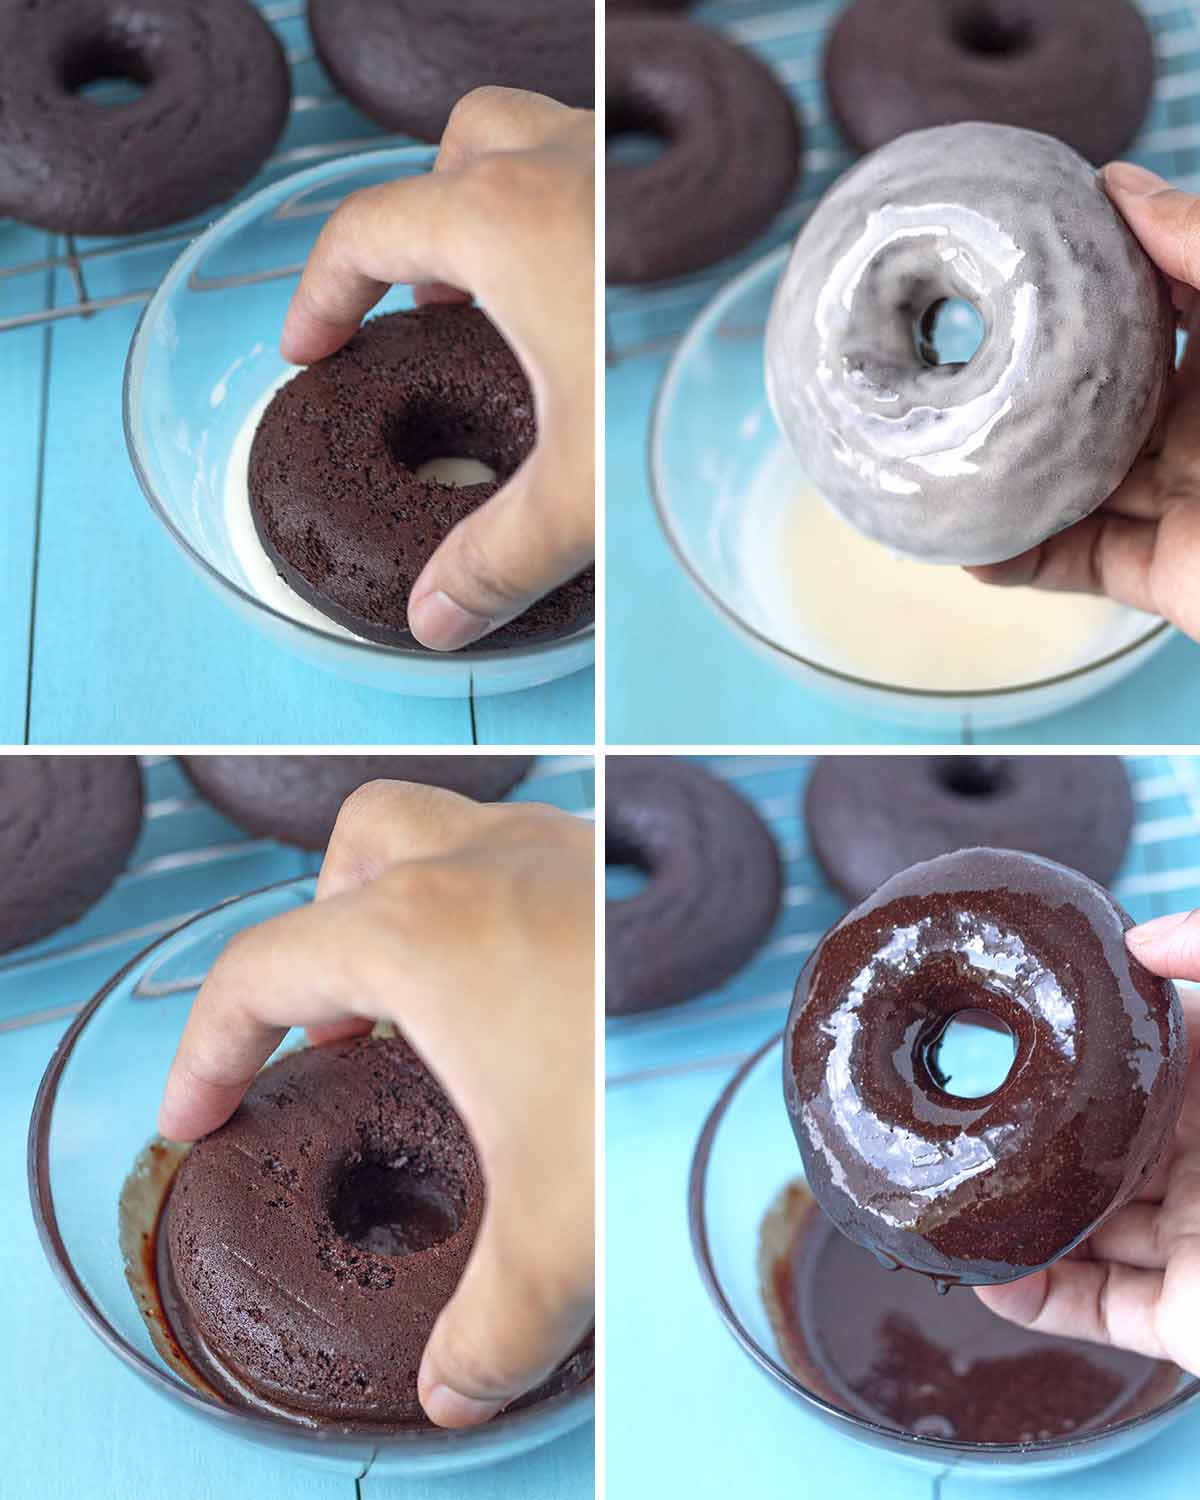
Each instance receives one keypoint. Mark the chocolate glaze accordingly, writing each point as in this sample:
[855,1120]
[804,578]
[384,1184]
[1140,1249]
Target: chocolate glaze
[886,1347]
[989,1189]
[305,1249]
[974,462]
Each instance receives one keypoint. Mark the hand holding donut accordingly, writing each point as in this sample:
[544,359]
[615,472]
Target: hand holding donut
[503,1019]
[1136,1281]
[1142,546]
[505,218]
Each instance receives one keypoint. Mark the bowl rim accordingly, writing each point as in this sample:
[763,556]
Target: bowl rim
[929,1447]
[232,219]
[425,1442]
[696,330]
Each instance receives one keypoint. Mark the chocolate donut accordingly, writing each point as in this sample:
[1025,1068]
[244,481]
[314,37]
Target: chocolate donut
[731,147]
[973,462]
[982,1190]
[307,1247]
[214,100]
[67,825]
[334,492]
[406,64]
[870,816]
[1081,70]
[297,798]
[713,889]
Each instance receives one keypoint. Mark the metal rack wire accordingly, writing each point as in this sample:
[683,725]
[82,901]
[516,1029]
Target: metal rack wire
[188,858]
[46,278]
[790,35]
[717,1031]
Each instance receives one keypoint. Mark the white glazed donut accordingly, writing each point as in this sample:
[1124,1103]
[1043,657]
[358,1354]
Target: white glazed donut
[969,463]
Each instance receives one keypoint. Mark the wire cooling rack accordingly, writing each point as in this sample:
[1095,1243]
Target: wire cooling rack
[189,857]
[790,36]
[1161,873]
[45,278]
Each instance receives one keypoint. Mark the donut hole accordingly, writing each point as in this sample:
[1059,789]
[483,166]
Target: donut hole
[973,776]
[980,29]
[971,1054]
[446,447]
[393,1207]
[949,332]
[626,870]
[633,136]
[106,70]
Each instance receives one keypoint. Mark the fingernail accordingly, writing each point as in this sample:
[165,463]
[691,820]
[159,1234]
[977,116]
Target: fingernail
[449,1408]
[1138,182]
[442,625]
[1155,930]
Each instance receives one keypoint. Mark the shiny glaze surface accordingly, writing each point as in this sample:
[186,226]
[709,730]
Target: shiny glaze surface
[975,462]
[988,1189]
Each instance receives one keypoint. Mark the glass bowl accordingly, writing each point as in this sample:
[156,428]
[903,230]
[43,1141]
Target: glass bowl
[711,433]
[204,355]
[744,1157]
[95,1112]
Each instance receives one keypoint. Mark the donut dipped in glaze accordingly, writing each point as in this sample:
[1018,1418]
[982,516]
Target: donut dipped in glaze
[968,463]
[986,1190]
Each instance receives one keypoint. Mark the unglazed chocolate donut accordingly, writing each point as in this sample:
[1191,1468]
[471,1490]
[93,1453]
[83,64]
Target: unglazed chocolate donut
[214,100]
[731,147]
[870,816]
[1081,70]
[983,1190]
[713,889]
[407,63]
[976,462]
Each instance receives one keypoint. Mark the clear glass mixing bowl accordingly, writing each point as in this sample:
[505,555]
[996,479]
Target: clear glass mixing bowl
[744,1157]
[95,1112]
[205,353]
[711,432]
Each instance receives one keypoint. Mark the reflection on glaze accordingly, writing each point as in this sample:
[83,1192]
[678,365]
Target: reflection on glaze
[980,1189]
[974,462]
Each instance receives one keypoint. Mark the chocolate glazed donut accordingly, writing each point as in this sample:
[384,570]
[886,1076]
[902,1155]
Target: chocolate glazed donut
[870,816]
[214,100]
[1081,70]
[731,147]
[713,889]
[407,63]
[974,462]
[984,1190]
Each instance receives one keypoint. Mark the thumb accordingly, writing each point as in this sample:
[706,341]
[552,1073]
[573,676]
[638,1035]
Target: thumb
[507,1326]
[1165,219]
[1169,946]
[532,535]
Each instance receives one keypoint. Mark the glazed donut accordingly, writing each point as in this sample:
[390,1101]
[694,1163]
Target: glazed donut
[215,97]
[870,816]
[976,462]
[67,826]
[296,798]
[334,492]
[982,1190]
[406,63]
[713,889]
[731,154]
[308,1246]
[1081,70]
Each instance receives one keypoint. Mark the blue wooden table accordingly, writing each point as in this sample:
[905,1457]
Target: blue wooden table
[75,1424]
[106,634]
[676,673]
[687,1413]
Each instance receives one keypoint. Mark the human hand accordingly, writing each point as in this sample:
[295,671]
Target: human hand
[506,218]
[1135,1282]
[470,927]
[1142,546]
